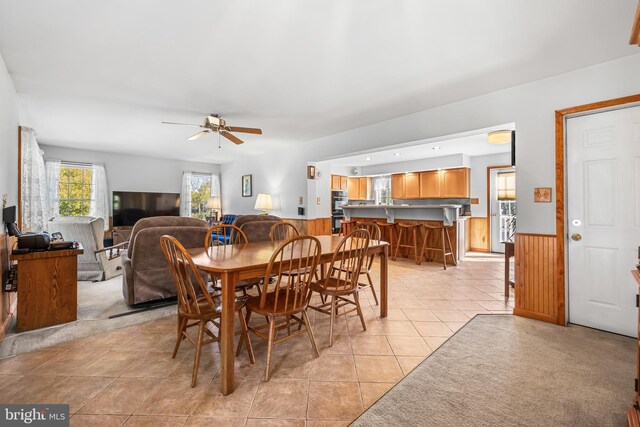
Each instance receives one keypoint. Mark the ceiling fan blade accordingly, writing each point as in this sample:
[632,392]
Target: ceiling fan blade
[182,124]
[232,138]
[198,135]
[244,130]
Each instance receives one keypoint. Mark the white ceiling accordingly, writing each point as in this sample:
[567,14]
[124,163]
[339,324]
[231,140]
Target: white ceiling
[470,145]
[103,74]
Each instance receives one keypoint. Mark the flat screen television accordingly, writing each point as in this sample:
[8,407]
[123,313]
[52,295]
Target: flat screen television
[131,206]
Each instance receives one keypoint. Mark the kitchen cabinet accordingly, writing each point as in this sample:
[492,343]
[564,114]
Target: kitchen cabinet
[454,183]
[412,185]
[430,185]
[353,188]
[397,186]
[344,183]
[335,182]
[365,189]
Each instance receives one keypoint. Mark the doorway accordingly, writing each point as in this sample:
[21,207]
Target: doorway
[603,218]
[502,206]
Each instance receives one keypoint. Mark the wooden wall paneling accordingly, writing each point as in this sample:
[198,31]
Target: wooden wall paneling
[478,234]
[312,226]
[537,286]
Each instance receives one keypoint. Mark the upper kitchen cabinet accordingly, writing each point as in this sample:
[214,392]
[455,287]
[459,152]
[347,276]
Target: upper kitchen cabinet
[344,183]
[412,185]
[365,189]
[455,183]
[430,187]
[353,188]
[397,186]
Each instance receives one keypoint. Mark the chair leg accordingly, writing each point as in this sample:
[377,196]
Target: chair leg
[453,256]
[357,300]
[196,362]
[423,250]
[444,251]
[415,246]
[272,336]
[373,290]
[332,319]
[245,337]
[307,325]
[182,326]
[395,255]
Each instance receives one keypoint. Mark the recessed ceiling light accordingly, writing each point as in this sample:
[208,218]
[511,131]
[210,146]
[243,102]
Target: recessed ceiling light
[396,154]
[436,148]
[367,158]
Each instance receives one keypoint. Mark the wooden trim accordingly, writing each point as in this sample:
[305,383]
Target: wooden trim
[561,116]
[635,30]
[19,177]
[489,200]
[537,235]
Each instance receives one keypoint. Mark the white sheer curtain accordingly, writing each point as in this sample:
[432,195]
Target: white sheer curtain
[185,195]
[99,206]
[215,188]
[34,195]
[53,179]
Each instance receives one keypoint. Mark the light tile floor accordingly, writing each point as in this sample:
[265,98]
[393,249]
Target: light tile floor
[127,377]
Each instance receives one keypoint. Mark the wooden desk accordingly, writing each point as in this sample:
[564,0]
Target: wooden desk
[47,288]
[509,251]
[236,262]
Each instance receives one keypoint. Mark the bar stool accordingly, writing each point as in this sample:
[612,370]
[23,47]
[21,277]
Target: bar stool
[346,226]
[411,232]
[444,233]
[387,230]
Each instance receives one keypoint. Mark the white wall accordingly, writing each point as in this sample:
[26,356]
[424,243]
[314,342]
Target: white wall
[531,107]
[9,121]
[134,173]
[479,166]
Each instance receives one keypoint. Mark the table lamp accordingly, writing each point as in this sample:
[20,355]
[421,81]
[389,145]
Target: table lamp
[263,203]
[214,204]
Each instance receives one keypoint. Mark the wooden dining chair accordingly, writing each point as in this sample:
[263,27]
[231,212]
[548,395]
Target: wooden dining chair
[227,235]
[196,307]
[374,234]
[341,284]
[286,296]
[283,231]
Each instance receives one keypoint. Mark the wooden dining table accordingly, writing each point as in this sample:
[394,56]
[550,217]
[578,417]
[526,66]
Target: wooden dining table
[233,263]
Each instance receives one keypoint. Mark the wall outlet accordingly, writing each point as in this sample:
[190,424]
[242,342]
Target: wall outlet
[317,200]
[300,200]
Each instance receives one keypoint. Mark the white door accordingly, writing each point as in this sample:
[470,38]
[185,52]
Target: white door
[501,213]
[603,182]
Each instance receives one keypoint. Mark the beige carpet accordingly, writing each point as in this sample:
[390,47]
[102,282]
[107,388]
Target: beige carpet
[510,371]
[96,302]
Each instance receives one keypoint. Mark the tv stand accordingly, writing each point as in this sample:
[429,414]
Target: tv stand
[121,234]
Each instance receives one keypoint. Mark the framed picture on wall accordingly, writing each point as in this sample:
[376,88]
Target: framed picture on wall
[246,185]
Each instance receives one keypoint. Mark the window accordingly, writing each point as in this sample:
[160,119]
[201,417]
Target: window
[200,194]
[75,189]
[382,189]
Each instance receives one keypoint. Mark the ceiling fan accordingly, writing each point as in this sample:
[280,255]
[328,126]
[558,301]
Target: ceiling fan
[216,124]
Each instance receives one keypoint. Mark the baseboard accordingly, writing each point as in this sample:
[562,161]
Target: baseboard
[533,315]
[479,250]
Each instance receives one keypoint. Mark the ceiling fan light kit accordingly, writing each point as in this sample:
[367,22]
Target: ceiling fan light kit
[215,123]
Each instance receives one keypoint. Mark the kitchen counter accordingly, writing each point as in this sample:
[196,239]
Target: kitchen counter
[448,214]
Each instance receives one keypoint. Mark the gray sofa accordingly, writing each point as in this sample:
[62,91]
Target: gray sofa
[256,227]
[147,275]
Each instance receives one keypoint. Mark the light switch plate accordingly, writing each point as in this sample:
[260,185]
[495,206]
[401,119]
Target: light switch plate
[300,200]
[317,200]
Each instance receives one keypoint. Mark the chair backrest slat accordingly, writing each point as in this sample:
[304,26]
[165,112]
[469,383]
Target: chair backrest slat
[347,261]
[185,273]
[371,227]
[223,235]
[283,231]
[299,255]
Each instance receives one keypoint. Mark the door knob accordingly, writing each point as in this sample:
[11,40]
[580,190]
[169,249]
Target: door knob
[576,237]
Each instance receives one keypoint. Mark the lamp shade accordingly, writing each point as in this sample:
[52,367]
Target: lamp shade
[263,202]
[499,137]
[213,202]
[506,186]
